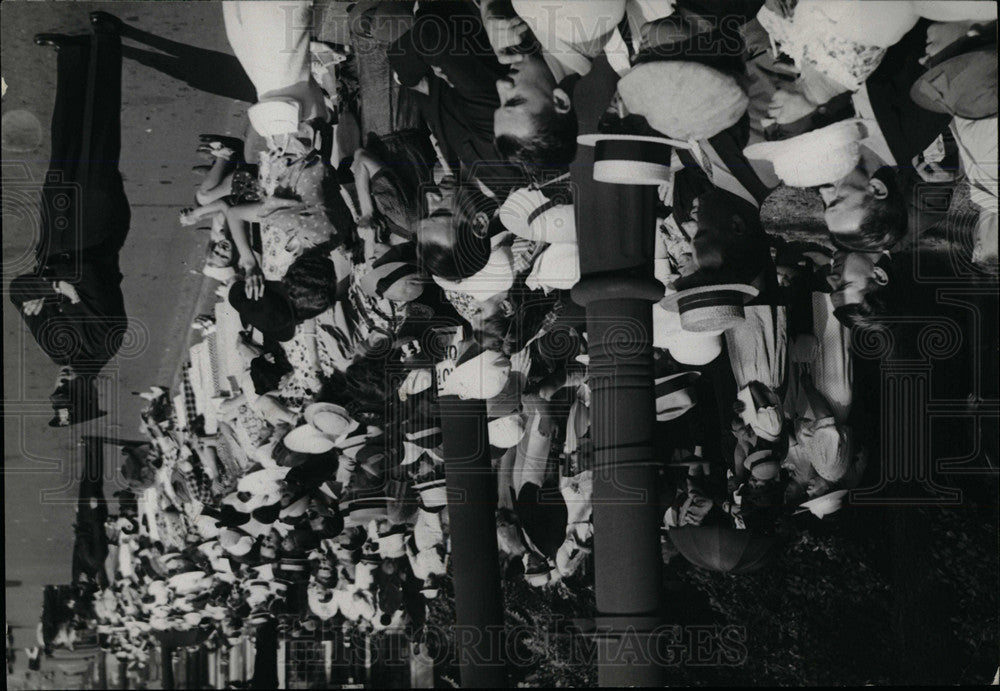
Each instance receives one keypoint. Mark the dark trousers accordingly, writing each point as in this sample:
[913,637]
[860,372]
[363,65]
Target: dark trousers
[90,547]
[83,200]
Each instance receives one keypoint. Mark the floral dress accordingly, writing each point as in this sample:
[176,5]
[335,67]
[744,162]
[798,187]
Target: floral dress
[286,233]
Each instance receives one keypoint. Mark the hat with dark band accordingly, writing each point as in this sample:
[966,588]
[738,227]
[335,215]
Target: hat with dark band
[675,395]
[825,505]
[709,306]
[631,159]
[395,264]
[762,465]
[433,494]
[364,509]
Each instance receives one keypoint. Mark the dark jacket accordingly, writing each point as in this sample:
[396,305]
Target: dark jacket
[450,36]
[85,335]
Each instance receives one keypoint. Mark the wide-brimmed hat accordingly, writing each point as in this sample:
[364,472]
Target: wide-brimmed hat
[819,157]
[362,510]
[686,347]
[675,395]
[494,278]
[394,265]
[273,314]
[392,542]
[704,305]
[824,505]
[529,214]
[684,100]
[505,432]
[479,374]
[556,268]
[75,400]
[631,159]
[332,420]
[762,465]
[433,493]
[766,421]
[236,543]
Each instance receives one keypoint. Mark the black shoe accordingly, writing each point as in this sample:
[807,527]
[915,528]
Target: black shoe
[57,41]
[105,23]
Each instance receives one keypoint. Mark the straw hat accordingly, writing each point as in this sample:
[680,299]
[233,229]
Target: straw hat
[815,158]
[712,307]
[762,465]
[362,510]
[630,159]
[235,543]
[332,420]
[684,100]
[392,542]
[556,268]
[686,347]
[766,421]
[393,265]
[675,395]
[433,493]
[505,432]
[529,214]
[824,505]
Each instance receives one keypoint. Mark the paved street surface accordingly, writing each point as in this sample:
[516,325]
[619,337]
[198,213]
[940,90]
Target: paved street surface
[161,118]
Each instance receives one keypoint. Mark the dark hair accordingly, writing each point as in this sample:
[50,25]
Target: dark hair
[874,304]
[367,389]
[466,258]
[885,220]
[472,247]
[311,283]
[552,146]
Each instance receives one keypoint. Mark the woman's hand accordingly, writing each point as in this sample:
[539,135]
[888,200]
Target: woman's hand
[254,282]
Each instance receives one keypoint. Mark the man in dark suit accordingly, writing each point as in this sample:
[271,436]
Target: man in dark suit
[72,302]
[447,57]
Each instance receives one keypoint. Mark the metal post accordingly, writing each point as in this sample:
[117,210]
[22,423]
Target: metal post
[475,560]
[615,228]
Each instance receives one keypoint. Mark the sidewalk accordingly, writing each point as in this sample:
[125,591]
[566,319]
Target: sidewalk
[163,286]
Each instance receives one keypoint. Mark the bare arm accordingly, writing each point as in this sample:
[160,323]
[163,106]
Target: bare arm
[364,168]
[236,218]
